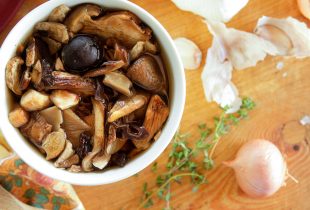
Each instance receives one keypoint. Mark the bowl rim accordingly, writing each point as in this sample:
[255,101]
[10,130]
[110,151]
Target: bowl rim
[36,161]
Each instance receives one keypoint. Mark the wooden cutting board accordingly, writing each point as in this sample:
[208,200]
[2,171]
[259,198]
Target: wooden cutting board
[281,101]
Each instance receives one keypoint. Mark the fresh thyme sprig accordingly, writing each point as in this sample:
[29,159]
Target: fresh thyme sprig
[181,162]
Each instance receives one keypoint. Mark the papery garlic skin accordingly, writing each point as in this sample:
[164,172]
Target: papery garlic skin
[216,79]
[259,167]
[296,31]
[189,52]
[215,10]
[243,49]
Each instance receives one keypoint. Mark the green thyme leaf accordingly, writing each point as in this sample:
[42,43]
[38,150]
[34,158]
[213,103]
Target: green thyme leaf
[154,167]
[183,159]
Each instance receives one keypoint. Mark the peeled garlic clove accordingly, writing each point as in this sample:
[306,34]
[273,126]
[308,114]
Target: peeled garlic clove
[54,144]
[304,7]
[276,36]
[259,167]
[189,52]
[220,10]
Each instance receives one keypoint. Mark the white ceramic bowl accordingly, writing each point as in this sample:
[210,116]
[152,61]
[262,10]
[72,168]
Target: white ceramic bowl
[176,84]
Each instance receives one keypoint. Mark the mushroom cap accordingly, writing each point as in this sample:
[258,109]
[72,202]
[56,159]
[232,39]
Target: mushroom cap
[145,72]
[81,53]
[13,74]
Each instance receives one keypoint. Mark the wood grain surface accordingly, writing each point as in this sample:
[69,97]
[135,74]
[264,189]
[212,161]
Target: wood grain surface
[281,102]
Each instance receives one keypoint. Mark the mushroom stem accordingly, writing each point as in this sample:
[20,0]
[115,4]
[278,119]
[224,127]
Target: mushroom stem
[99,113]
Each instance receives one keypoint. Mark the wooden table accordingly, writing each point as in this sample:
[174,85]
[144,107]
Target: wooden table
[281,102]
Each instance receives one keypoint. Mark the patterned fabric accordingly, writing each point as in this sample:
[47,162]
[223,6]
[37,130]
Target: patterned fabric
[31,187]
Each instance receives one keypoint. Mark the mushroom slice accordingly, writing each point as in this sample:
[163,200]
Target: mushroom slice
[75,168]
[120,53]
[25,79]
[156,114]
[118,82]
[36,74]
[59,65]
[142,47]
[13,74]
[68,152]
[53,45]
[145,72]
[64,99]
[33,100]
[59,13]
[76,20]
[106,67]
[101,160]
[56,31]
[65,81]
[53,116]
[74,159]
[114,144]
[123,26]
[74,126]
[126,106]
[90,120]
[18,117]
[54,144]
[36,128]
[99,113]
[31,53]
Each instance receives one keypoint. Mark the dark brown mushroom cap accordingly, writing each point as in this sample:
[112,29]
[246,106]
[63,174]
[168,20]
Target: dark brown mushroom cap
[145,72]
[81,53]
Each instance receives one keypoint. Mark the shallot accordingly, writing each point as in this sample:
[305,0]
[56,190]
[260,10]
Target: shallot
[260,168]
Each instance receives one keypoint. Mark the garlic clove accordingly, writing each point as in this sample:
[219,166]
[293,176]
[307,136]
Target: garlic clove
[296,31]
[259,167]
[241,48]
[189,52]
[304,7]
[276,36]
[221,10]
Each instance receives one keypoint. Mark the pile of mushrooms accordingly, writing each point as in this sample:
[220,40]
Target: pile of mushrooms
[90,88]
